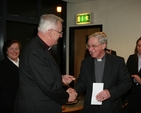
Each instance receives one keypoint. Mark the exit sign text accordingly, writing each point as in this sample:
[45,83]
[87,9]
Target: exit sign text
[84,18]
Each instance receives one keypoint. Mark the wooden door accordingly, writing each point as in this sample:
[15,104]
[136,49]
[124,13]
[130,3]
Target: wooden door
[78,46]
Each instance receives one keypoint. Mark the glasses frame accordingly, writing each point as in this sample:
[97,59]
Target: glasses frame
[93,46]
[60,32]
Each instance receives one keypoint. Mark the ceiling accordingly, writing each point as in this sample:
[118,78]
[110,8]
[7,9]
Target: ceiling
[19,6]
[27,2]
[75,1]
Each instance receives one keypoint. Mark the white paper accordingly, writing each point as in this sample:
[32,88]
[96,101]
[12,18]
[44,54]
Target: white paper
[97,87]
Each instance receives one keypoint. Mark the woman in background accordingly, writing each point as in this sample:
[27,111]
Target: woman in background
[9,76]
[134,66]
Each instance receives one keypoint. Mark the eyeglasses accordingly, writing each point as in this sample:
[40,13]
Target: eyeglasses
[93,46]
[61,33]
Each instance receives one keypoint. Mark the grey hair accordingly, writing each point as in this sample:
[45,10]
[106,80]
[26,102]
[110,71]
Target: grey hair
[102,38]
[48,21]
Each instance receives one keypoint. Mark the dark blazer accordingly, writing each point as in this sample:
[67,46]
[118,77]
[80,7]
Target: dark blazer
[132,64]
[135,92]
[9,79]
[115,78]
[40,83]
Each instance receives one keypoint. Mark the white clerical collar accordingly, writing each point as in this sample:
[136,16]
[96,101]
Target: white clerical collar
[49,48]
[99,60]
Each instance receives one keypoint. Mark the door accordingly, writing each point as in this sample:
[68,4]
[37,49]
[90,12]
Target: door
[78,39]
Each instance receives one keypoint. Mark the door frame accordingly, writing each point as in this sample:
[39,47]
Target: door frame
[71,44]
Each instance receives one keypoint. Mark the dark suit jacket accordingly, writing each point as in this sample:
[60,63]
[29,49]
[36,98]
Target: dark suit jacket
[132,64]
[9,79]
[40,85]
[115,78]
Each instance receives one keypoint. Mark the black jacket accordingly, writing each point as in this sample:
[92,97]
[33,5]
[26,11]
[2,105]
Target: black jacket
[40,85]
[9,79]
[116,79]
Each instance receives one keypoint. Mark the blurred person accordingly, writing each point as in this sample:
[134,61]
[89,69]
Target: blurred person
[40,81]
[104,68]
[110,51]
[9,76]
[134,66]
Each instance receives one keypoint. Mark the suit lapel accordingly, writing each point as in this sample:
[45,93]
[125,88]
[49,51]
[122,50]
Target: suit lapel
[107,68]
[92,70]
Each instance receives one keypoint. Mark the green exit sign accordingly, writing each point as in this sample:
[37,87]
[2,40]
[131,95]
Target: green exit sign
[84,18]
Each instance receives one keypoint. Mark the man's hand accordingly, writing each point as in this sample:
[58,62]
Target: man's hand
[103,95]
[137,78]
[72,95]
[67,79]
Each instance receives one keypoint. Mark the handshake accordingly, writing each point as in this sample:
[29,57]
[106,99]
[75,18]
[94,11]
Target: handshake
[72,94]
[67,79]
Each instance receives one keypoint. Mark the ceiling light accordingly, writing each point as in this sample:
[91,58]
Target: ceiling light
[59,9]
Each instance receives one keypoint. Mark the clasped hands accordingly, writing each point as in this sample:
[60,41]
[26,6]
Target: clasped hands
[67,79]
[72,95]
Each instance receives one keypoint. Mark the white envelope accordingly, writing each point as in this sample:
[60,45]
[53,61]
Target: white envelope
[97,87]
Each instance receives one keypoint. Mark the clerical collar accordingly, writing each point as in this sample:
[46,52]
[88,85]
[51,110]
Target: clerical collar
[101,59]
[48,48]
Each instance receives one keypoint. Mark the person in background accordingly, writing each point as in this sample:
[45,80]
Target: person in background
[104,68]
[40,81]
[109,51]
[9,76]
[134,67]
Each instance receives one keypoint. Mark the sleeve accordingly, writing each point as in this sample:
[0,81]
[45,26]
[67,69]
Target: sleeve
[80,84]
[47,76]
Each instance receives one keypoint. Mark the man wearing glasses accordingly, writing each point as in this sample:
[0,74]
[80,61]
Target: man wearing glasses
[103,77]
[40,81]
[109,51]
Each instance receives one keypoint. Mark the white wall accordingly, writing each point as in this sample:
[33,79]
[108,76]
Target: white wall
[121,20]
